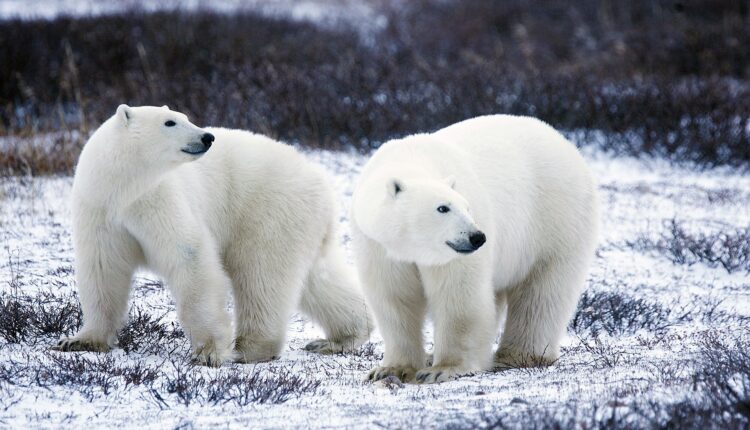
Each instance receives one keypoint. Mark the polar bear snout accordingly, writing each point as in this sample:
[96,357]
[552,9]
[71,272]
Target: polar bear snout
[197,148]
[466,246]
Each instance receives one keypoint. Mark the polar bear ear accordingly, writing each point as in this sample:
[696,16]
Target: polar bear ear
[165,107]
[394,187]
[450,181]
[124,113]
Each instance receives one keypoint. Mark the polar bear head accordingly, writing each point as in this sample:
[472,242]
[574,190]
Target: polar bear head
[159,136]
[423,221]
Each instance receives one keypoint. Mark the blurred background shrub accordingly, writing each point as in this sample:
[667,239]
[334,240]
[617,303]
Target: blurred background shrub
[648,77]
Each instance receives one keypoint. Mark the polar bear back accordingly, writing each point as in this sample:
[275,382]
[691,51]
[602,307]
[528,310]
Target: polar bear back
[251,183]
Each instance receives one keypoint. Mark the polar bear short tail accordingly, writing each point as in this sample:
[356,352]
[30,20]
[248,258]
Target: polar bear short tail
[332,298]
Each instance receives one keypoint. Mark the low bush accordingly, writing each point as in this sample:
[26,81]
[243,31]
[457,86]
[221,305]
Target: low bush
[727,249]
[617,314]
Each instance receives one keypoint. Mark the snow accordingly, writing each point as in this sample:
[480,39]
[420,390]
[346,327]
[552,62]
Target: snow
[637,197]
[363,15]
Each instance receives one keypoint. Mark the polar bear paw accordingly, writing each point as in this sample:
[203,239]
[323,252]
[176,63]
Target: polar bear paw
[249,351]
[404,373]
[437,374]
[69,344]
[325,346]
[211,355]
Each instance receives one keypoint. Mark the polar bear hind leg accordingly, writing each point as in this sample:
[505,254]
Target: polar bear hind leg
[539,309]
[266,285]
[332,298]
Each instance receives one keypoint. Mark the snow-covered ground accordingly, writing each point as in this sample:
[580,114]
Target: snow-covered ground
[365,15]
[599,375]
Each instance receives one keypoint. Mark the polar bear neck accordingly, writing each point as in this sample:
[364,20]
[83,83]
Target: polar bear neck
[110,180]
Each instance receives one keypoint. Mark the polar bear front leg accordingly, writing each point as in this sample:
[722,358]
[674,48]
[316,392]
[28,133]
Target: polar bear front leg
[181,250]
[105,259]
[461,303]
[200,290]
[400,316]
[395,294]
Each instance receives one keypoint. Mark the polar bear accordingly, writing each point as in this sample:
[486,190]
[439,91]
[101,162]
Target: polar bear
[209,210]
[490,213]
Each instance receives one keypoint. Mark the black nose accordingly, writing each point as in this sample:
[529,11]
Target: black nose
[207,139]
[477,239]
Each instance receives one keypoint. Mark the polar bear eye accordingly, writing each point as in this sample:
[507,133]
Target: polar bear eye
[443,209]
[170,123]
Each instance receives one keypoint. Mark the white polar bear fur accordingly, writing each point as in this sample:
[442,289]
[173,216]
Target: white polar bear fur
[528,189]
[252,215]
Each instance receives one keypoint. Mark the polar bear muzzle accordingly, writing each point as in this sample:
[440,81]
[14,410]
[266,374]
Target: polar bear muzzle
[196,148]
[467,246]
